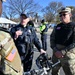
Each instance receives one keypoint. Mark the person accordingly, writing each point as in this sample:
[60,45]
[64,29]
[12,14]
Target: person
[62,41]
[31,23]
[43,31]
[25,37]
[9,55]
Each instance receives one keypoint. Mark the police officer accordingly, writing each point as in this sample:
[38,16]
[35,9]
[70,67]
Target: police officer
[62,39]
[43,29]
[24,37]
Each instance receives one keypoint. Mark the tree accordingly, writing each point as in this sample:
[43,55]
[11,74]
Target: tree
[15,7]
[0,7]
[51,11]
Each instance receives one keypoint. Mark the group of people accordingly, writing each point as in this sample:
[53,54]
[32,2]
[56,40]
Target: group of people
[62,40]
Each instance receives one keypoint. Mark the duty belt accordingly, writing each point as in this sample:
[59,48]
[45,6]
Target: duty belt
[60,47]
[44,33]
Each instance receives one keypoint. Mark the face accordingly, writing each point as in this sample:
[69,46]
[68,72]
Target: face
[24,20]
[65,17]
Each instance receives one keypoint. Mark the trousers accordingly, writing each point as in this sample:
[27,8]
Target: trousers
[67,63]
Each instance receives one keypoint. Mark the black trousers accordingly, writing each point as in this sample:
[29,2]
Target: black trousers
[1,73]
[27,62]
[44,41]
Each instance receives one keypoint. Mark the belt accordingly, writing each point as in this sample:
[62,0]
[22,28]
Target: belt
[60,47]
[44,33]
[65,49]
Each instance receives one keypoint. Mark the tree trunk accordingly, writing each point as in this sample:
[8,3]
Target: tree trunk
[0,7]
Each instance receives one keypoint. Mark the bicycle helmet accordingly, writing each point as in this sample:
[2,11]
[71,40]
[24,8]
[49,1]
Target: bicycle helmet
[42,60]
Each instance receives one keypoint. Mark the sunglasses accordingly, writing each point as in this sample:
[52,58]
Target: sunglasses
[63,15]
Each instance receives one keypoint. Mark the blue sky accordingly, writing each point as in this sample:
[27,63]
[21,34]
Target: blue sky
[45,3]
[65,2]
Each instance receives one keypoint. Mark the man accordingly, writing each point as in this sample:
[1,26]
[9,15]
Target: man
[24,37]
[43,29]
[62,39]
[9,55]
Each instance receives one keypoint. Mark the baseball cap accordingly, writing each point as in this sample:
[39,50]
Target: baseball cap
[67,9]
[23,14]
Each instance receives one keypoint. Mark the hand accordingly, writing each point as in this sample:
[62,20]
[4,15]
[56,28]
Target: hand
[58,54]
[18,33]
[42,51]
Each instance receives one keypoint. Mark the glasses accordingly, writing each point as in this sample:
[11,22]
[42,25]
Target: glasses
[63,15]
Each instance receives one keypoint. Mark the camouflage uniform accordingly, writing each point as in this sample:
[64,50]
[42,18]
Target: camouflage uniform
[58,44]
[8,46]
[8,51]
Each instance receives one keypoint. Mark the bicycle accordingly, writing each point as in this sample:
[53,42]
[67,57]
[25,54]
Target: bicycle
[44,64]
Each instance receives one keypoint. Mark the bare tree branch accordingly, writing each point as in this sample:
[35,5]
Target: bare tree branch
[16,7]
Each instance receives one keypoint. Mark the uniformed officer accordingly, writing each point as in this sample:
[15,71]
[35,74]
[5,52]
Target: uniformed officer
[24,37]
[43,31]
[9,55]
[62,39]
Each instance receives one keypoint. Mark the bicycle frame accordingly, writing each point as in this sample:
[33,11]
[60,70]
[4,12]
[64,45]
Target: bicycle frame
[43,71]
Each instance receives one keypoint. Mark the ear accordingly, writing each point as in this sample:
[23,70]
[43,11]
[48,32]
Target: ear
[28,19]
[70,15]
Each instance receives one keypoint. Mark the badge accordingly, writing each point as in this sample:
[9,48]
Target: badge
[58,28]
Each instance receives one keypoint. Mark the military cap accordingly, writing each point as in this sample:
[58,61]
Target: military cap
[65,9]
[23,14]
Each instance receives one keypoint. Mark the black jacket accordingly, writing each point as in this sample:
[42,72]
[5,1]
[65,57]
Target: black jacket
[63,34]
[25,41]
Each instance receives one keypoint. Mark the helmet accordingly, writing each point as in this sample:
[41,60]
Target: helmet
[42,60]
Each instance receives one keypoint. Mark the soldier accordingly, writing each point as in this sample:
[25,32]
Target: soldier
[62,39]
[24,37]
[9,54]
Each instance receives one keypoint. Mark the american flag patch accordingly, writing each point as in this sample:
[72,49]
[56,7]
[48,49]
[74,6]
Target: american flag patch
[58,27]
[11,55]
